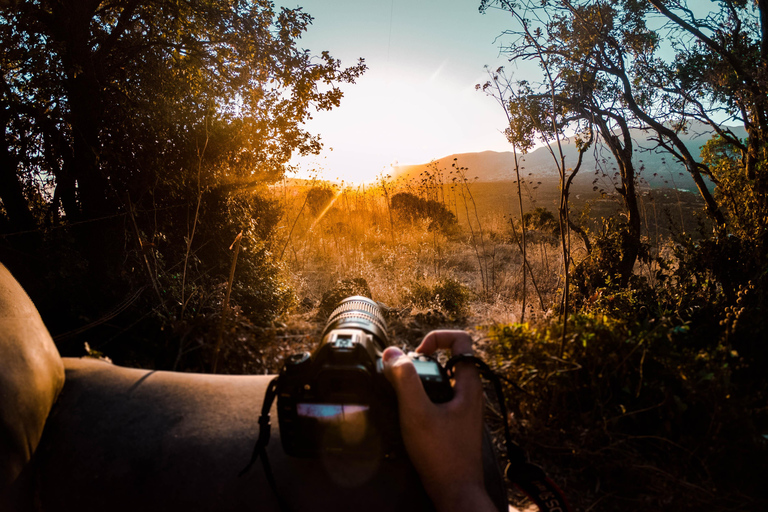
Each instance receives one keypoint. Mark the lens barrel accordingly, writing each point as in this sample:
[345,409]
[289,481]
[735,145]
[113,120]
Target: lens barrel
[359,312]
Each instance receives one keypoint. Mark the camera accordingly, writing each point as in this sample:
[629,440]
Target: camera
[336,401]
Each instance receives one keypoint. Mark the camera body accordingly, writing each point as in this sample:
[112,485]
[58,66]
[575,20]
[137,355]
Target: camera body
[337,401]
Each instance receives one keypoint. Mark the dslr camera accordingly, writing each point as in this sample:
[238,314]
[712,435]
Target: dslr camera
[336,401]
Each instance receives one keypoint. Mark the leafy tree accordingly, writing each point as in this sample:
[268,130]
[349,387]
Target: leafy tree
[657,66]
[111,95]
[132,124]
[720,68]
[574,41]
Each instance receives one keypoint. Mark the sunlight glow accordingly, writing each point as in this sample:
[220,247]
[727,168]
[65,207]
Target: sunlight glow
[417,101]
[325,210]
[407,118]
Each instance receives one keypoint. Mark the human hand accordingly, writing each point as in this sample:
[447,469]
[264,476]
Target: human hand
[444,441]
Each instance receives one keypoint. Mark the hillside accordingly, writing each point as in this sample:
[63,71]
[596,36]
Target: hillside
[657,168]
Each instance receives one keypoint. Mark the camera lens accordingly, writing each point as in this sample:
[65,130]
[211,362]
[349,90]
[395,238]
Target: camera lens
[359,312]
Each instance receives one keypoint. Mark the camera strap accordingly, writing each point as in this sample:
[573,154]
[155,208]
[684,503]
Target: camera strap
[260,449]
[527,477]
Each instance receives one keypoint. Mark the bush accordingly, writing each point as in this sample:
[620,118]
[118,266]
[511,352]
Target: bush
[448,296]
[541,219]
[412,208]
[602,268]
[164,326]
[318,199]
[627,396]
[341,290]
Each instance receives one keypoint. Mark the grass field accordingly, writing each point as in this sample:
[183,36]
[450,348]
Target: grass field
[355,235]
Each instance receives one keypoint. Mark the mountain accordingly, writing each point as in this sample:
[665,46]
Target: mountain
[657,168]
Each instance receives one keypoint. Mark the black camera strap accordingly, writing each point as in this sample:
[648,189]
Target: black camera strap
[528,477]
[260,449]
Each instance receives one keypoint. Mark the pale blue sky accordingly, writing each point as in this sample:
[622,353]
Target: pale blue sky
[417,101]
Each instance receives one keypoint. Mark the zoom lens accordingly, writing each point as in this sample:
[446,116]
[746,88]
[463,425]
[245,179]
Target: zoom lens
[359,312]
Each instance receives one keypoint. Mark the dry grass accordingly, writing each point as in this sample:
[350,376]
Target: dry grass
[352,238]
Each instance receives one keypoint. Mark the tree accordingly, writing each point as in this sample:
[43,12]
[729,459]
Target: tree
[618,72]
[108,91]
[153,114]
[666,66]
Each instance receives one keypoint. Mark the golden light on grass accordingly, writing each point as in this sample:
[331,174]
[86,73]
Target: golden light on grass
[325,210]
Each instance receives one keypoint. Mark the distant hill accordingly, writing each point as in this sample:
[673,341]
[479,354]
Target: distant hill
[657,168]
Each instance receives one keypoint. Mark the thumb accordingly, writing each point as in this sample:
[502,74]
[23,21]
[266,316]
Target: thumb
[401,373]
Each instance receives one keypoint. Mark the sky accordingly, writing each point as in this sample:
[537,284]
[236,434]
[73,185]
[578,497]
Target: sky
[417,100]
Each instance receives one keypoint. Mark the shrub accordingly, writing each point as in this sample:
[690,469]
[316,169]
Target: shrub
[448,296]
[344,288]
[628,395]
[181,331]
[602,268]
[318,198]
[542,219]
[411,208]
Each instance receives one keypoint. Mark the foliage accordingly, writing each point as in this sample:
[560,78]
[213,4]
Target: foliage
[137,139]
[447,296]
[318,198]
[411,208]
[722,288]
[735,193]
[541,219]
[629,395]
[602,267]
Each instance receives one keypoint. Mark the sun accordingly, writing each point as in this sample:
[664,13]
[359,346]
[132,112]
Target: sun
[399,117]
[380,123]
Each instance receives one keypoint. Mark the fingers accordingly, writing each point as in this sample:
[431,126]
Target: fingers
[401,373]
[467,385]
[459,342]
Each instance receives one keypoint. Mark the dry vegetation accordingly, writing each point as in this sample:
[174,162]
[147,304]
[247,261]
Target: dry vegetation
[356,235]
[632,413]
[349,233]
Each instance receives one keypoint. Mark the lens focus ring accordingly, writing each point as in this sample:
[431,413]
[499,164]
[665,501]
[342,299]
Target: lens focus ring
[356,310]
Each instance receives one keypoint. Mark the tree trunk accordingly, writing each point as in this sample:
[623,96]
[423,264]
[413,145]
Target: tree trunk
[621,148]
[11,191]
[85,99]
